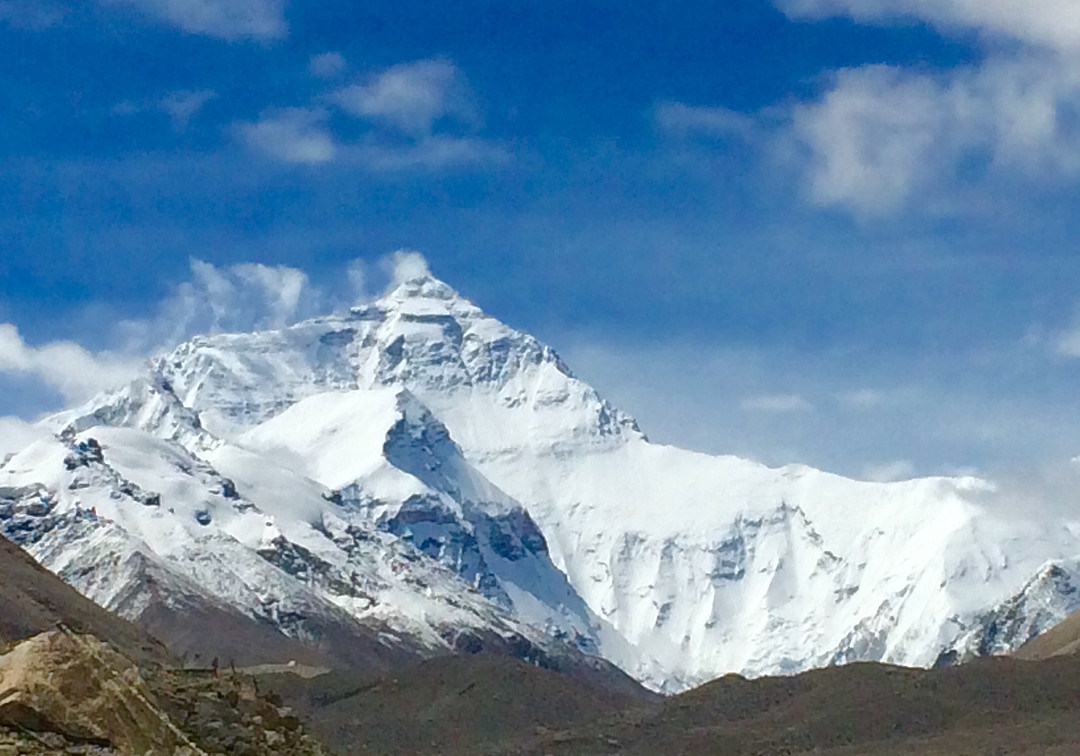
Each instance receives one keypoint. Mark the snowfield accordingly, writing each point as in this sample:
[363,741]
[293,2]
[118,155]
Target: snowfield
[417,464]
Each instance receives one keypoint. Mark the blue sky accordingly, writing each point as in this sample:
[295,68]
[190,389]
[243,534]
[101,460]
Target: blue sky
[840,232]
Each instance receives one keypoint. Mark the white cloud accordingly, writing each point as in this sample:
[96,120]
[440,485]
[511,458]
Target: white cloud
[327,65]
[871,137]
[881,139]
[16,434]
[32,15]
[224,19]
[881,135]
[411,97]
[1047,23]
[64,365]
[294,135]
[776,403]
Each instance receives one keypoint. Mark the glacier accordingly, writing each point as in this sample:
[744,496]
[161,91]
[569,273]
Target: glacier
[417,468]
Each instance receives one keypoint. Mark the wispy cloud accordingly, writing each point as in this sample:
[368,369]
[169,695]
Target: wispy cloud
[328,65]
[405,265]
[684,120]
[412,97]
[880,140]
[419,115]
[1064,343]
[437,152]
[180,106]
[225,19]
[292,135]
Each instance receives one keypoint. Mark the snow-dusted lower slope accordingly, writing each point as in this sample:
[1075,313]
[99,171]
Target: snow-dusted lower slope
[472,443]
[142,526]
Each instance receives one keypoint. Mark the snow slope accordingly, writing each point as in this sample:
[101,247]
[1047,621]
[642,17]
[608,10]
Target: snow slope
[428,421]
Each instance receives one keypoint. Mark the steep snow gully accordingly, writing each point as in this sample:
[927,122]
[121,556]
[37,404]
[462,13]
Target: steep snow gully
[415,470]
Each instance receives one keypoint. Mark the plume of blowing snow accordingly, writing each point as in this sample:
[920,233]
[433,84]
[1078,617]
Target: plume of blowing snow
[242,297]
[407,265]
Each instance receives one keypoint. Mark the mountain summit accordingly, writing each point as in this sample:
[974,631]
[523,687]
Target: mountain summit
[417,473]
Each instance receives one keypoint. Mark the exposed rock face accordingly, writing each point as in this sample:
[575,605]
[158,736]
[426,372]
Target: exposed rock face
[1045,601]
[80,688]
[63,693]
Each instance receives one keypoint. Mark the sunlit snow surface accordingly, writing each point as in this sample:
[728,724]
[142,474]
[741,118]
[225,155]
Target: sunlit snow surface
[493,489]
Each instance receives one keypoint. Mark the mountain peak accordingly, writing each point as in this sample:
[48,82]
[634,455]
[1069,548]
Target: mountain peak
[421,285]
[420,295]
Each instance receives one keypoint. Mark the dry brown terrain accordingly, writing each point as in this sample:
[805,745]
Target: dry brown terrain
[480,705]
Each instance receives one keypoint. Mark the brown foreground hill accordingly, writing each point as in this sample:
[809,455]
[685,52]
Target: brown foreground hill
[33,600]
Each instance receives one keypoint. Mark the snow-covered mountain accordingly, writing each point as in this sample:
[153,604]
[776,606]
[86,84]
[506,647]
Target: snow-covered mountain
[416,466]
